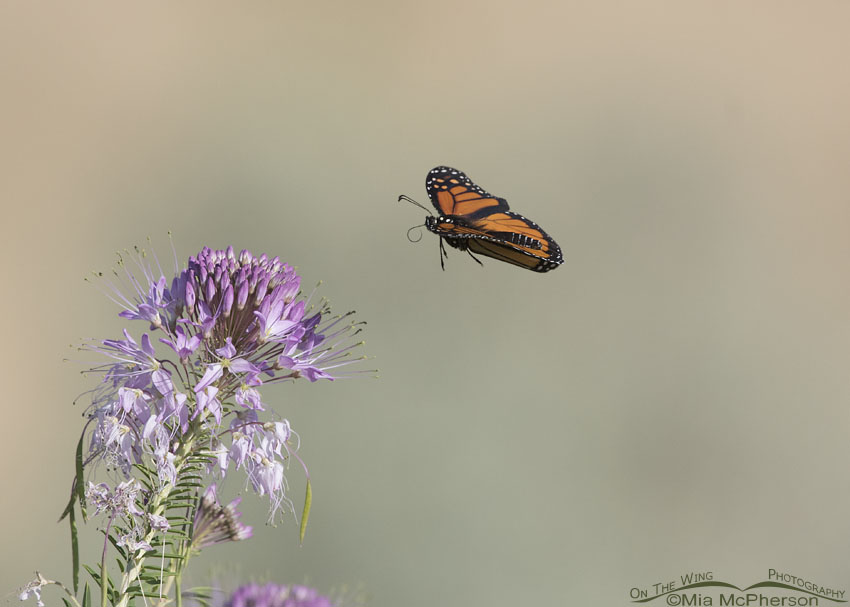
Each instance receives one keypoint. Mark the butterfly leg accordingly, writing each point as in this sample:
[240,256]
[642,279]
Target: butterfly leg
[443,254]
[475,258]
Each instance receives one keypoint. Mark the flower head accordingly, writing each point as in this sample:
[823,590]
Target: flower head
[215,523]
[121,502]
[34,588]
[277,595]
[228,324]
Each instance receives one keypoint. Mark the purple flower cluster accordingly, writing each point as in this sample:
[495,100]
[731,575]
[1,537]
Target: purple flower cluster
[123,503]
[34,588]
[228,324]
[276,595]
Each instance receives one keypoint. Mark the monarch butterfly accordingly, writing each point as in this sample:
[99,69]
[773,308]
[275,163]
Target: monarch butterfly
[475,221]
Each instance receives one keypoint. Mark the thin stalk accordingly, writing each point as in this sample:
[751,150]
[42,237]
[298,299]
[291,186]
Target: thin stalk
[157,506]
[176,567]
[103,577]
[44,582]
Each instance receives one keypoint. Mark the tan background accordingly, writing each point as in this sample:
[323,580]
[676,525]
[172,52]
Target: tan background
[674,398]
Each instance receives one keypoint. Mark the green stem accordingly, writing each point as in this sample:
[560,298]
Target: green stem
[103,576]
[71,597]
[178,565]
[177,570]
[70,594]
[156,506]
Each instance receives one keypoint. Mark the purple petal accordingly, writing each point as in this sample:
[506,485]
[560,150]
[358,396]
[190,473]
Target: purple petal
[212,374]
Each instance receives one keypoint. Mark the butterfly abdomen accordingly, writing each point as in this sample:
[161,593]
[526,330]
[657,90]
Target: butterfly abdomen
[524,241]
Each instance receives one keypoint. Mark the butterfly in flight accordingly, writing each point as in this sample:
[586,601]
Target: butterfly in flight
[475,221]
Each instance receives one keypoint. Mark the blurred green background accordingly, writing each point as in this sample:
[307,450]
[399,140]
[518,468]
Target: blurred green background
[674,398]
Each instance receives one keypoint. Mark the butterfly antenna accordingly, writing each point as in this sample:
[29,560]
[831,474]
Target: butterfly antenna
[411,201]
[419,227]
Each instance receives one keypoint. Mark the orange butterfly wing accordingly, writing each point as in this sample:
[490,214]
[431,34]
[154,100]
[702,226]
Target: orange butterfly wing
[473,220]
[454,194]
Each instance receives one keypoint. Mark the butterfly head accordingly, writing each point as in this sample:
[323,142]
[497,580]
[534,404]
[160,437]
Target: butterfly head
[431,222]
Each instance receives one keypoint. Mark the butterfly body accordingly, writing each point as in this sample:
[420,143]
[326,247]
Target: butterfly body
[470,219]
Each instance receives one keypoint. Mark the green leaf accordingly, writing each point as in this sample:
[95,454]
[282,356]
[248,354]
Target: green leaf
[154,576]
[93,573]
[308,501]
[71,501]
[118,548]
[75,551]
[199,594]
[190,485]
[96,576]
[193,485]
[198,460]
[77,494]
[183,491]
[158,555]
[81,489]
[144,470]
[112,587]
[146,483]
[86,596]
